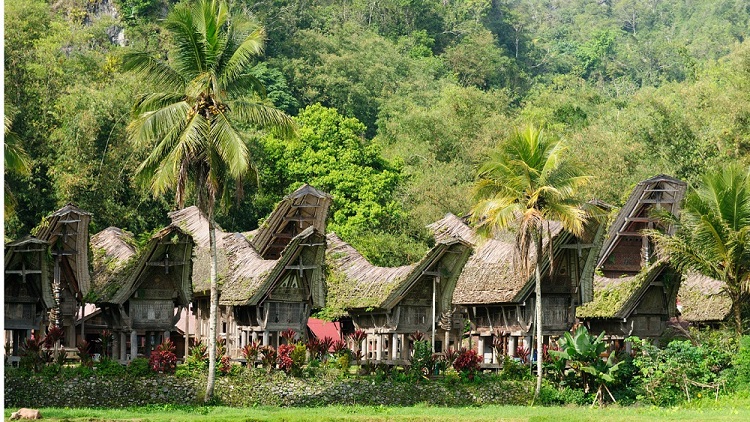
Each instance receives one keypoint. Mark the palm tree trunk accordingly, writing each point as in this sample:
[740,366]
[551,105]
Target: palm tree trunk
[538,292]
[213,311]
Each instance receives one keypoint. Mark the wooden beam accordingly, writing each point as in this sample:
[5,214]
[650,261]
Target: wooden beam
[641,220]
[23,272]
[299,218]
[301,267]
[656,201]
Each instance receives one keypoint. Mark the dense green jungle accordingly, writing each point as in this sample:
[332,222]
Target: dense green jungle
[396,102]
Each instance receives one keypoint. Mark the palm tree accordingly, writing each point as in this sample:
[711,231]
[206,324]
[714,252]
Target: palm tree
[713,235]
[15,159]
[203,94]
[527,182]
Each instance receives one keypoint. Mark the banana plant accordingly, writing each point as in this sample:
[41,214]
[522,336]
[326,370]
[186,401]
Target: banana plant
[583,353]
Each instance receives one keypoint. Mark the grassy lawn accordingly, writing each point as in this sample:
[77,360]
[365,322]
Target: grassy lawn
[728,410]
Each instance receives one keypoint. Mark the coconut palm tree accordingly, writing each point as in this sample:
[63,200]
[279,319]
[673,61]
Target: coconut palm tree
[204,95]
[526,183]
[713,235]
[15,159]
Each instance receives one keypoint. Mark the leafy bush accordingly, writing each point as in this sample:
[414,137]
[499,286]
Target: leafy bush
[467,363]
[109,368]
[197,359]
[250,352]
[583,352]
[422,361]
[268,357]
[666,376]
[163,360]
[514,370]
[741,362]
[553,396]
[139,367]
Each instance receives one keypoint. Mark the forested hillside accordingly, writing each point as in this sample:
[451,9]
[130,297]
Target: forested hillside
[396,102]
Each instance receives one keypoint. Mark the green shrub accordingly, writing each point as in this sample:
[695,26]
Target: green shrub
[139,367]
[554,396]
[665,374]
[108,368]
[741,363]
[514,370]
[422,361]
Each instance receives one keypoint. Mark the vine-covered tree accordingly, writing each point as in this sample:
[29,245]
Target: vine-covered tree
[193,119]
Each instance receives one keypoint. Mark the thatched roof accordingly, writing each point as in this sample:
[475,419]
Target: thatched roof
[251,277]
[115,243]
[303,208]
[113,250]
[663,190]
[171,242]
[490,275]
[354,283]
[192,221]
[618,297]
[703,299]
[67,230]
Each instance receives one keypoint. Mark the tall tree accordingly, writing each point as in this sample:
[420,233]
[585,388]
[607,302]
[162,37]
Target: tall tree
[713,235]
[526,183]
[203,95]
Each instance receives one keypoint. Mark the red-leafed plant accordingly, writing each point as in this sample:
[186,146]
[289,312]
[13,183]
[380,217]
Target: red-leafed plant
[225,364]
[284,358]
[417,336]
[163,360]
[268,356]
[338,346]
[546,357]
[500,345]
[468,362]
[450,355]
[84,353]
[326,344]
[53,335]
[289,335]
[314,347]
[523,354]
[250,352]
[358,336]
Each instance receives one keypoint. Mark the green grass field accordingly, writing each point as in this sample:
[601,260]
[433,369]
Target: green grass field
[726,410]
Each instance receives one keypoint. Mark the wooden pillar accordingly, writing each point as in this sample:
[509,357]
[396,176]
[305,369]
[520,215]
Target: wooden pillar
[265,337]
[394,346]
[115,346]
[480,347]
[123,345]
[446,340]
[512,345]
[255,336]
[167,335]
[187,330]
[378,347]
[133,345]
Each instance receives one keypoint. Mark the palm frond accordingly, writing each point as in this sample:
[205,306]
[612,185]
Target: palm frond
[251,47]
[153,70]
[264,116]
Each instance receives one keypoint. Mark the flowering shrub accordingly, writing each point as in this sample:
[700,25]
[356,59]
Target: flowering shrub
[468,362]
[163,360]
